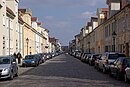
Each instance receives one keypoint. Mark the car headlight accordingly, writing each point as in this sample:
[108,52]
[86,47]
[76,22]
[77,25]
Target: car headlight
[23,61]
[5,69]
[33,62]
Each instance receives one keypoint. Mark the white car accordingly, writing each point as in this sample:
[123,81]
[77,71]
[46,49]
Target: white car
[8,67]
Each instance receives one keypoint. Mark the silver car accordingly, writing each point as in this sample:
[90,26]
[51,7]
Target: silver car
[8,67]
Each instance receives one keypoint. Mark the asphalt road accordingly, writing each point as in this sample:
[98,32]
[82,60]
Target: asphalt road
[63,71]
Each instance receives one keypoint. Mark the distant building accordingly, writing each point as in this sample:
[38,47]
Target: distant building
[65,49]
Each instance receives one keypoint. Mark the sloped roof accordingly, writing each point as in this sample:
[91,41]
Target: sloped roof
[22,10]
[34,19]
[10,11]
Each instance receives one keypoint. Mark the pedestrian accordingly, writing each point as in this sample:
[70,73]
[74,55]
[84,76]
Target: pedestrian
[19,56]
[15,55]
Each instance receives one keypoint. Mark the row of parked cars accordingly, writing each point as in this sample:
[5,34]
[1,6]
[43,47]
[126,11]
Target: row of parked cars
[36,59]
[9,67]
[113,63]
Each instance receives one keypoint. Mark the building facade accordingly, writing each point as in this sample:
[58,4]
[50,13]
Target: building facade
[111,33]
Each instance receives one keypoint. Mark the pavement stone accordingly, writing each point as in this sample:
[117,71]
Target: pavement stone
[24,69]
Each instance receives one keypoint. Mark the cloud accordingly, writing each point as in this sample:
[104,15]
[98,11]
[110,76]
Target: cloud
[87,14]
[64,18]
[48,17]
[58,25]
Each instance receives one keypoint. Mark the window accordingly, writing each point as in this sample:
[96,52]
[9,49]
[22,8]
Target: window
[4,20]
[106,31]
[109,28]
[3,1]
[7,23]
[106,48]
[16,8]
[11,24]
[3,42]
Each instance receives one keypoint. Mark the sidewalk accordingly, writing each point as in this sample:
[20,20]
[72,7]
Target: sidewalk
[22,70]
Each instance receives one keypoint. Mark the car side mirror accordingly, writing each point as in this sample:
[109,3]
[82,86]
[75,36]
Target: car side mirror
[99,58]
[14,62]
[127,65]
[112,63]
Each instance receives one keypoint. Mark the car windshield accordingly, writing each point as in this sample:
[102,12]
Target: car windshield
[4,60]
[96,56]
[128,62]
[115,56]
[29,57]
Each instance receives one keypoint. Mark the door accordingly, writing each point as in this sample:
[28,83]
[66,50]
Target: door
[114,67]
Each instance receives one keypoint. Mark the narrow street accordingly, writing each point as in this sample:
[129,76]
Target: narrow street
[63,71]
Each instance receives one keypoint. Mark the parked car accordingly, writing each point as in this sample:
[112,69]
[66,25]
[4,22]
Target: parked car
[78,54]
[93,58]
[108,58]
[87,57]
[47,56]
[96,63]
[120,68]
[31,60]
[8,67]
[75,53]
[83,57]
[40,59]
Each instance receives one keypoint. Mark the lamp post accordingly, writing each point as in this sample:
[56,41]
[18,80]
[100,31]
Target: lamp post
[30,51]
[114,36]
[27,40]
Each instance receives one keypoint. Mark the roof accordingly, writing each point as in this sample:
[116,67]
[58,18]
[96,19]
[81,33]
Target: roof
[78,35]
[110,1]
[39,23]
[34,19]
[20,19]
[104,9]
[52,40]
[94,19]
[22,10]
[89,24]
[10,11]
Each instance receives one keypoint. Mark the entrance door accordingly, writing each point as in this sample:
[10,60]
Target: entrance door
[127,49]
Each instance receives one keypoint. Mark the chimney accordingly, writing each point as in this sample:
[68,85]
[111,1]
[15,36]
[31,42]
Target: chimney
[114,6]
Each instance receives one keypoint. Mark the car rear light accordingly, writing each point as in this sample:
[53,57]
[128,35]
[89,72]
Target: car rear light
[106,62]
[122,68]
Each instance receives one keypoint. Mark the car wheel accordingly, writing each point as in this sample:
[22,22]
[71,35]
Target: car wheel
[11,76]
[117,76]
[125,77]
[17,74]
[104,70]
[110,73]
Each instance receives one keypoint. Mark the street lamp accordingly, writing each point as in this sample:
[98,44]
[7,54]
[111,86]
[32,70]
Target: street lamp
[27,40]
[30,51]
[114,36]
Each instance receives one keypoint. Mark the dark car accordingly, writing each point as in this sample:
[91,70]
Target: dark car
[88,56]
[31,60]
[84,57]
[121,68]
[47,56]
[93,58]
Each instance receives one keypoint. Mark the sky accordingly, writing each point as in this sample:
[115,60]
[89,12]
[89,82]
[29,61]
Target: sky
[63,18]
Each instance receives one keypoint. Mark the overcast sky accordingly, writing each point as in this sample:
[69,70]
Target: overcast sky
[63,18]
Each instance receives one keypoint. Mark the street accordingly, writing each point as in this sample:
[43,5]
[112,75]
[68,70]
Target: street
[63,71]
